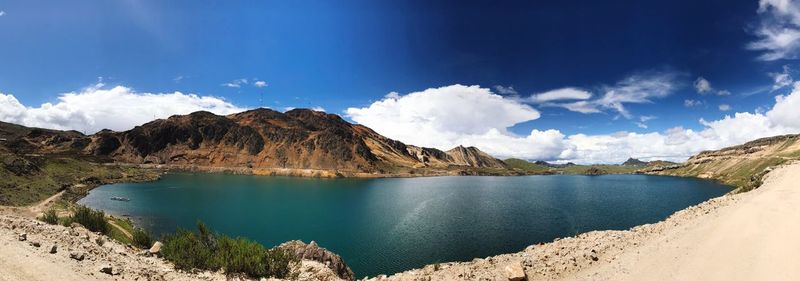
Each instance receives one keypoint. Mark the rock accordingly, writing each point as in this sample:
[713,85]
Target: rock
[155,249]
[35,244]
[107,269]
[313,252]
[514,272]
[23,237]
[78,256]
[54,249]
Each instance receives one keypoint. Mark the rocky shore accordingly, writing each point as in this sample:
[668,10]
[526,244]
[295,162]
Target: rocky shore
[33,250]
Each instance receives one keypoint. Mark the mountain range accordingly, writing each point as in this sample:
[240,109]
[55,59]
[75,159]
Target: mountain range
[262,140]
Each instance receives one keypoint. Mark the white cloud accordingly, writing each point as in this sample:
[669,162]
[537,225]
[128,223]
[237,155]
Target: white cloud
[568,93]
[779,30]
[260,84]
[178,78]
[702,86]
[445,114]
[692,103]
[724,107]
[446,117]
[235,83]
[2,13]
[781,79]
[639,88]
[118,108]
[318,108]
[503,90]
[392,95]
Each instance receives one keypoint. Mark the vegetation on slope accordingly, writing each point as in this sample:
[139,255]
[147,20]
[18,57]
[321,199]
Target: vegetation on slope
[525,166]
[32,178]
[741,166]
[209,251]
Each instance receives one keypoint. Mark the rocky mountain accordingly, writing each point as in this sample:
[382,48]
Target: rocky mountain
[634,162]
[741,165]
[263,140]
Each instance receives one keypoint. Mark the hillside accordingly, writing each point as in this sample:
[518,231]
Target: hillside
[742,165]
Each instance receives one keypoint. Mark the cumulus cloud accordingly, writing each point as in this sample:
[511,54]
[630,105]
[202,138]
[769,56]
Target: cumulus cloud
[568,93]
[702,86]
[779,30]
[445,117]
[260,84]
[459,115]
[118,108]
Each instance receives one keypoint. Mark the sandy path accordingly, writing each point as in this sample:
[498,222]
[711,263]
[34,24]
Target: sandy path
[21,262]
[757,238]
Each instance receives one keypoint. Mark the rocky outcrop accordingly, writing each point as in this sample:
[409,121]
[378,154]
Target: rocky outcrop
[312,252]
[473,157]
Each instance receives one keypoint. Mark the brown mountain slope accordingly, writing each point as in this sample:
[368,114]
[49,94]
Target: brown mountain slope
[742,165]
[257,139]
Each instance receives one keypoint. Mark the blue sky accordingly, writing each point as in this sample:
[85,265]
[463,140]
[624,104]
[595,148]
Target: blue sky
[350,54]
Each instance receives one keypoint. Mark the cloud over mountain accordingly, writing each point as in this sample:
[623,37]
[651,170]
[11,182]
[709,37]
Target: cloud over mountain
[118,108]
[453,115]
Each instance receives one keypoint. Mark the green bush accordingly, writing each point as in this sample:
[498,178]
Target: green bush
[91,219]
[141,239]
[50,217]
[208,251]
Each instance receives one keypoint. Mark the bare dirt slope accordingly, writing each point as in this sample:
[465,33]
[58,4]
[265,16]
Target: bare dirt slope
[754,239]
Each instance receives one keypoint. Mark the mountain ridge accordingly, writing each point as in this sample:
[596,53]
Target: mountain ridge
[299,139]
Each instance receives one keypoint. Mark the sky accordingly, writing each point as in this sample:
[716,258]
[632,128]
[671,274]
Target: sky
[580,81]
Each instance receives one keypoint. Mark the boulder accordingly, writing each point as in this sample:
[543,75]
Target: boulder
[514,272]
[313,252]
[23,237]
[155,249]
[54,249]
[35,244]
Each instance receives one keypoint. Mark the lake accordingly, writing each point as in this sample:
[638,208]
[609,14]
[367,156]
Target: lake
[394,224]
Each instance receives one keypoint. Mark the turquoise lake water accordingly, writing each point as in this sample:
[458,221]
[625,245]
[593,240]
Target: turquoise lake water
[391,225]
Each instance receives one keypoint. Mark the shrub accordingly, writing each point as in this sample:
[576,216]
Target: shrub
[91,219]
[141,239]
[50,217]
[208,251]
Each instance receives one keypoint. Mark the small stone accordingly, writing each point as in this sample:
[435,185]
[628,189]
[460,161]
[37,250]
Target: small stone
[156,248]
[107,269]
[54,249]
[23,237]
[36,244]
[514,272]
[77,256]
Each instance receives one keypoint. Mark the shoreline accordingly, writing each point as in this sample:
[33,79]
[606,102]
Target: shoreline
[560,258]
[606,254]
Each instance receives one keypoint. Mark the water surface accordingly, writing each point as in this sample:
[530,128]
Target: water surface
[390,225]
